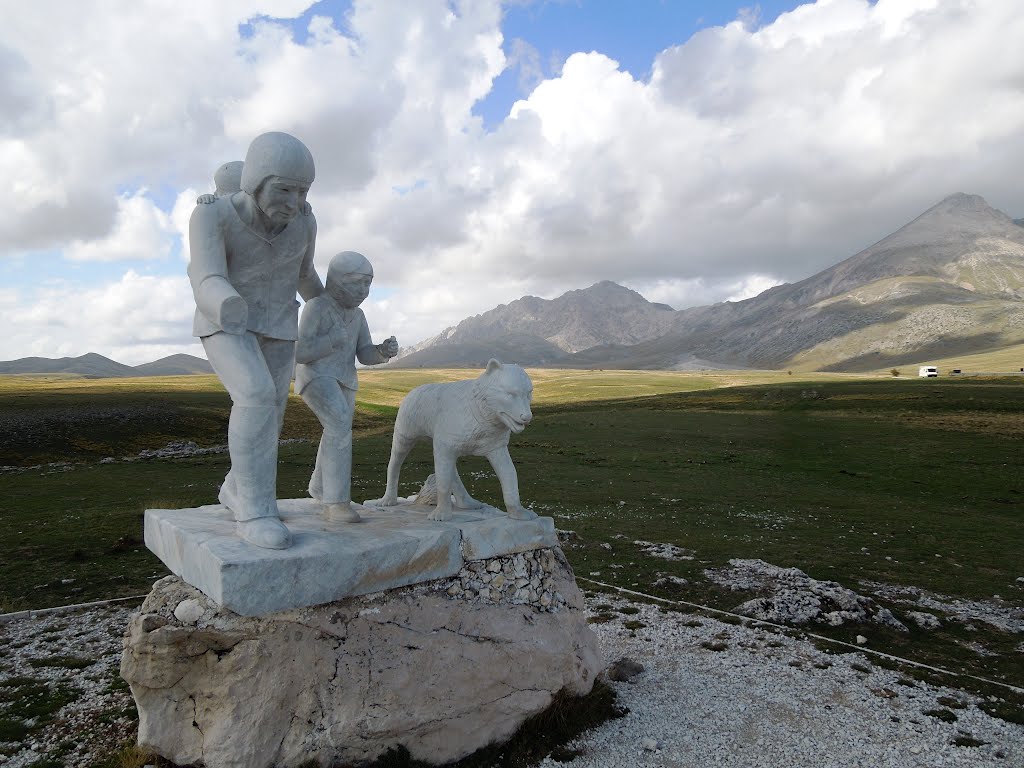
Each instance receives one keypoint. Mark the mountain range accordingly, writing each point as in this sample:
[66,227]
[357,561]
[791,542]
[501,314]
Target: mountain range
[950,282]
[94,366]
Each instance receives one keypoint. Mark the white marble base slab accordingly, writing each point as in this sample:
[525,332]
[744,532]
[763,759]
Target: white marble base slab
[327,560]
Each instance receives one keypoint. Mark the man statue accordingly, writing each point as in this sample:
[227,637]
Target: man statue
[251,252]
[228,179]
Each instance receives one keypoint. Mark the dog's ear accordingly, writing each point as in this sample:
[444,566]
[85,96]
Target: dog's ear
[492,365]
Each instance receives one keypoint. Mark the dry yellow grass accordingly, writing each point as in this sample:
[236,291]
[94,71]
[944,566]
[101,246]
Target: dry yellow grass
[387,387]
[557,385]
[70,384]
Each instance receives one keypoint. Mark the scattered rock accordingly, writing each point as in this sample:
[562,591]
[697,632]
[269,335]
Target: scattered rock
[796,598]
[176,449]
[649,745]
[1005,617]
[664,551]
[924,620]
[189,611]
[566,537]
[88,726]
[624,669]
[667,580]
[861,640]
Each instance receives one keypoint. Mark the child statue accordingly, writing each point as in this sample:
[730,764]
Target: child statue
[332,335]
[227,180]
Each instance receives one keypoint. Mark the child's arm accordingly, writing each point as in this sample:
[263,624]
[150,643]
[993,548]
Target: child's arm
[318,334]
[369,353]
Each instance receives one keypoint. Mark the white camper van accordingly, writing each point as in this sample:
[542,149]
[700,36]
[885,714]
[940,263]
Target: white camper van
[927,371]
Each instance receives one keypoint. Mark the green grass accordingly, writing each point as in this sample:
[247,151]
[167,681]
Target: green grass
[62,662]
[905,481]
[28,704]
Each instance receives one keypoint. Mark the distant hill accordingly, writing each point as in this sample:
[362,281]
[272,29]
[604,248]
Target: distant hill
[950,282]
[94,366]
[174,365]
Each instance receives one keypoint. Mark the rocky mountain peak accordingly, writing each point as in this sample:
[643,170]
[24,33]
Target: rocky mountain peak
[967,214]
[604,313]
[961,201]
[608,295]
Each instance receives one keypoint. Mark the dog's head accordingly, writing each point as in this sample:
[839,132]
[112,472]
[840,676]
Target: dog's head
[506,392]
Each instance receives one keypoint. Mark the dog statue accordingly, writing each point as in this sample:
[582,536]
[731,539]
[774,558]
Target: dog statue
[464,418]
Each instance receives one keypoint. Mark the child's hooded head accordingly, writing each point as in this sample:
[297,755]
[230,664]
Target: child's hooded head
[348,278]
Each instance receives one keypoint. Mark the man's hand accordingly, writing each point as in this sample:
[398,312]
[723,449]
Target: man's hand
[234,315]
[206,199]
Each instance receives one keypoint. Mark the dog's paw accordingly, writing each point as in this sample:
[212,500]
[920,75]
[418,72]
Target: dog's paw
[521,513]
[440,515]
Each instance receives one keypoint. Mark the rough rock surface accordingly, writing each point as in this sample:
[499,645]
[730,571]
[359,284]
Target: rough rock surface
[624,669]
[767,699]
[796,598]
[440,667]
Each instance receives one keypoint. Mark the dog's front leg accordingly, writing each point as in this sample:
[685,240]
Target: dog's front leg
[444,471]
[506,472]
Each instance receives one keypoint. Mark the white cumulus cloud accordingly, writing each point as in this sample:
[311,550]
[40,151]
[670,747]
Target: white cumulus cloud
[135,319]
[754,153]
[141,231]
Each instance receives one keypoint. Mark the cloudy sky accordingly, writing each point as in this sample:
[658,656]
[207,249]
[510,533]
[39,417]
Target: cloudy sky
[478,151]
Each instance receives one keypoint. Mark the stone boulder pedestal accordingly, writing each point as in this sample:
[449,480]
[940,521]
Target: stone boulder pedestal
[442,667]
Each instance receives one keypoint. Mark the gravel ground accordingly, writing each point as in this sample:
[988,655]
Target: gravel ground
[76,655]
[774,701]
[762,700]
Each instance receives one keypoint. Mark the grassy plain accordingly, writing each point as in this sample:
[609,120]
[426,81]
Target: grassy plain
[856,479]
[1007,360]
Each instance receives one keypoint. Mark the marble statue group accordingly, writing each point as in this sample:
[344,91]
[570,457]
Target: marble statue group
[252,247]
[225,669]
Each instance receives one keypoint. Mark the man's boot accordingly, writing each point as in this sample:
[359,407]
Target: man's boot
[252,497]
